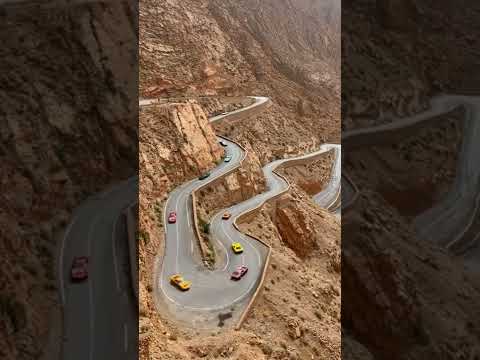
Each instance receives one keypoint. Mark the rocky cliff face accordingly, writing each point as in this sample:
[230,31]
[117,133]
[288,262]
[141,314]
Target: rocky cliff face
[186,52]
[289,51]
[68,130]
[261,30]
[235,43]
[286,50]
[296,231]
[313,176]
[397,55]
[242,184]
[177,143]
[298,314]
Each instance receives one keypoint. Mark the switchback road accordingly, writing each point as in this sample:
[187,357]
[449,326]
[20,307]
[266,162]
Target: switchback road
[449,220]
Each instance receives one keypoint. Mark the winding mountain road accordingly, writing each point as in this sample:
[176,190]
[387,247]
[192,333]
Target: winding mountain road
[330,197]
[101,315]
[449,220]
[212,291]
[213,295]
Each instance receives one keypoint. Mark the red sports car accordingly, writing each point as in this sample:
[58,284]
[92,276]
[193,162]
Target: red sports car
[239,272]
[172,217]
[79,268]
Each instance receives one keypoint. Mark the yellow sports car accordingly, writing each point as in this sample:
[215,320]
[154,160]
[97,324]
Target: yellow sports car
[237,248]
[178,281]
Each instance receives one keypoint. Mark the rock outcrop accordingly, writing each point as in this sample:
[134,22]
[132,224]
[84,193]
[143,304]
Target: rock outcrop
[311,177]
[294,228]
[299,311]
[223,48]
[177,143]
[242,184]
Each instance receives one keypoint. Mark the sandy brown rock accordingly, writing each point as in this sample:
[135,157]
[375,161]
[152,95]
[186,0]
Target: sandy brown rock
[431,153]
[311,177]
[380,36]
[177,143]
[179,137]
[242,184]
[299,308]
[296,232]
[212,47]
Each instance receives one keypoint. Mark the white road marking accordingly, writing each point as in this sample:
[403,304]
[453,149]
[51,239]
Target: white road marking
[90,287]
[470,222]
[125,337]
[254,249]
[60,260]
[221,244]
[162,288]
[114,251]
[114,245]
[176,233]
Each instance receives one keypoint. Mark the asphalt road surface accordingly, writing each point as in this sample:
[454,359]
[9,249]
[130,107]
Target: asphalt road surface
[259,100]
[329,196]
[213,294]
[212,291]
[100,314]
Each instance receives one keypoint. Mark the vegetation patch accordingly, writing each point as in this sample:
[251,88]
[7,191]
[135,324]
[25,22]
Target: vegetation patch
[205,238]
[143,236]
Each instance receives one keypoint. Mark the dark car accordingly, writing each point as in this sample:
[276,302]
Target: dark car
[79,270]
[204,176]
